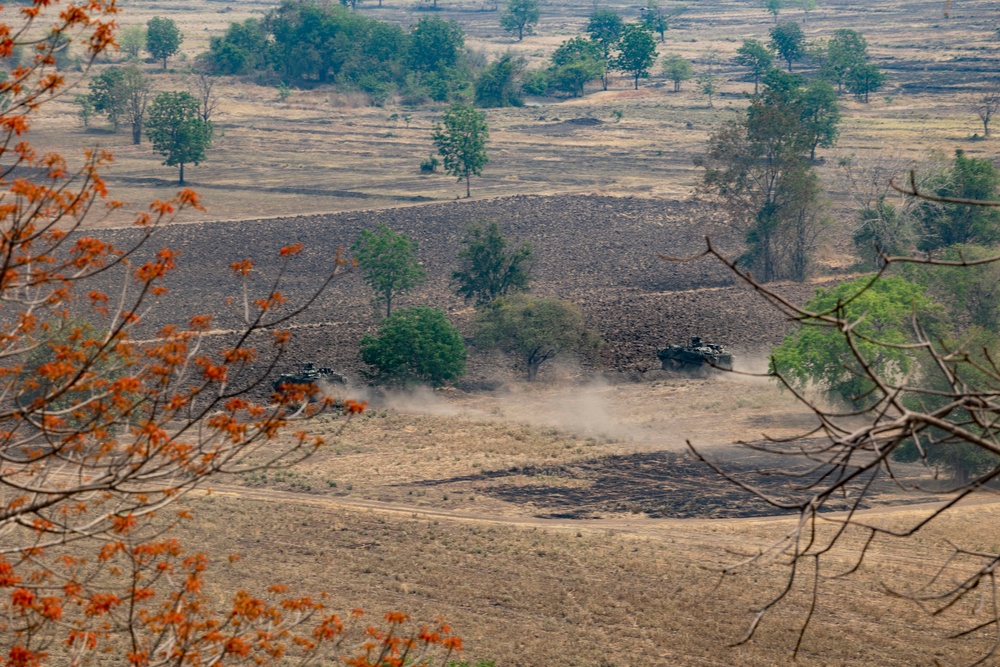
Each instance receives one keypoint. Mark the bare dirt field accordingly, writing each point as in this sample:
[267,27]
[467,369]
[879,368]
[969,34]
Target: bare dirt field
[559,523]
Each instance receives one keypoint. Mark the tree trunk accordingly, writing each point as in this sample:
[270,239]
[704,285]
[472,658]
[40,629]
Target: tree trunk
[136,133]
[677,86]
[181,180]
[532,371]
[789,64]
[637,82]
[520,33]
[164,62]
[986,127]
[388,307]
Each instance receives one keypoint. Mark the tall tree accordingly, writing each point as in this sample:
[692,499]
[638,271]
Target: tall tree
[208,98]
[845,51]
[108,95]
[677,69]
[132,41]
[389,264]
[138,90]
[177,131]
[461,141]
[488,269]
[605,28]
[758,167]
[520,16]
[756,57]
[163,38]
[789,42]
[820,115]
[865,79]
[636,52]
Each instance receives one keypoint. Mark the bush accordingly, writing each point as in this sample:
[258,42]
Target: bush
[415,346]
[430,165]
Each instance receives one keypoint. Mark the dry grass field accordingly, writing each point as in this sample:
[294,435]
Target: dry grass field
[559,524]
[324,150]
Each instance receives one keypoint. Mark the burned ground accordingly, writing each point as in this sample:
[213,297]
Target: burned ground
[602,253]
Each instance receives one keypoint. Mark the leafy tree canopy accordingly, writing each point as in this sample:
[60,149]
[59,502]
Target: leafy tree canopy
[949,224]
[461,141]
[536,329]
[820,356]
[178,131]
[636,52]
[499,84]
[389,264]
[488,269]
[520,16]
[163,38]
[415,346]
[677,69]
[756,57]
[788,40]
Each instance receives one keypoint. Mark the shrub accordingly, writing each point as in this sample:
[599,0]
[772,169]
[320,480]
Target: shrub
[415,346]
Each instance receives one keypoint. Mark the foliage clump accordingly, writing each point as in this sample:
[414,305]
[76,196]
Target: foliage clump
[415,345]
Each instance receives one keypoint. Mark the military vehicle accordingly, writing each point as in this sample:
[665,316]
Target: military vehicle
[309,376]
[696,358]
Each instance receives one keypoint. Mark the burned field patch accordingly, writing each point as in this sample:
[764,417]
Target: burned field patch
[659,485]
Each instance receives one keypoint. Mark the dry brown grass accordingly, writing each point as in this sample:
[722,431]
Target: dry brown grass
[319,151]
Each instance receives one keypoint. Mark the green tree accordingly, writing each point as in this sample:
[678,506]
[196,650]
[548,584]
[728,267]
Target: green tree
[845,51]
[132,41]
[882,314]
[636,52]
[789,42]
[536,329]
[499,84]
[605,29]
[461,141]
[163,38]
[677,69]
[882,231]
[950,224]
[122,94]
[415,346]
[773,7]
[864,80]
[177,130]
[971,293]
[759,168]
[488,269]
[388,263]
[657,18]
[820,115]
[108,95]
[520,16]
[243,49]
[755,56]
[435,45]
[574,63]
[708,85]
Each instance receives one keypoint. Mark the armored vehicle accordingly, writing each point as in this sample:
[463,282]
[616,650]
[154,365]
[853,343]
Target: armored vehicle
[309,376]
[697,357]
